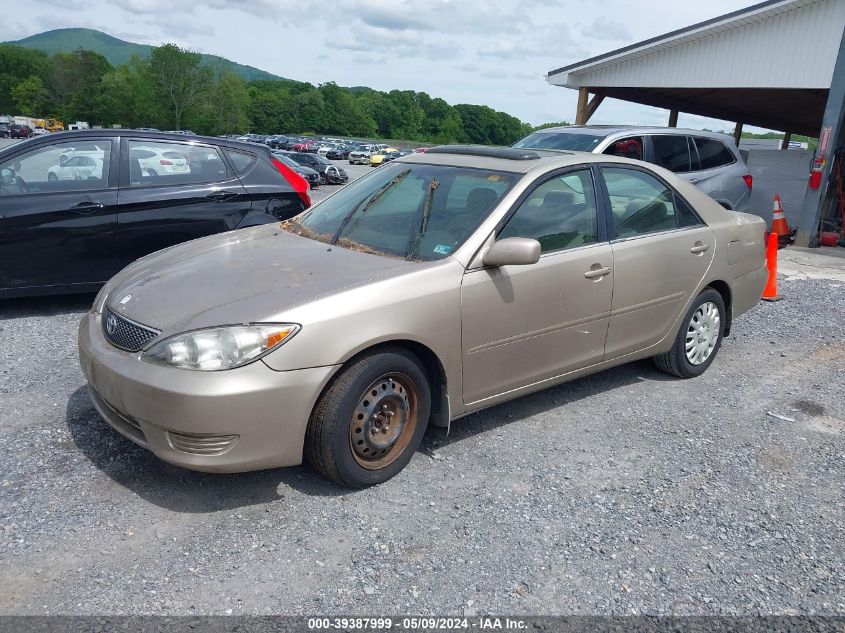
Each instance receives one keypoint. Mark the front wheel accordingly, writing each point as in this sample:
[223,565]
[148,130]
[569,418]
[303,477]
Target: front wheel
[698,339]
[369,422]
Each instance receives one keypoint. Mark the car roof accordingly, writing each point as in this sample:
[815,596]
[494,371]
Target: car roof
[607,130]
[154,136]
[506,159]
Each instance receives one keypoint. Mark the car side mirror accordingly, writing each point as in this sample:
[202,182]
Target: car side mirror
[512,251]
[7,177]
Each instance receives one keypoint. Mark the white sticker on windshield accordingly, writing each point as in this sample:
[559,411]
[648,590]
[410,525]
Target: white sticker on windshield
[442,249]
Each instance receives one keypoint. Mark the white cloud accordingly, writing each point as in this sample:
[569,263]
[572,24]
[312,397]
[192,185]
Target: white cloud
[604,28]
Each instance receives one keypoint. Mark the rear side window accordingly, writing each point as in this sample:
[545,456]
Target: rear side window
[242,162]
[671,152]
[631,147]
[713,153]
[167,163]
[639,202]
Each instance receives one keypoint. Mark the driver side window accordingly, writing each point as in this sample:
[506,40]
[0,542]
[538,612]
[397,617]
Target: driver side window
[59,167]
[560,213]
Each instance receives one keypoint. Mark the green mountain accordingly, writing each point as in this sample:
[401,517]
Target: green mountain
[118,51]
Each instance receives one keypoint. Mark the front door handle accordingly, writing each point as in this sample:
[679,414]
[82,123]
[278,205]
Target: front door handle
[221,196]
[597,271]
[87,207]
[699,248]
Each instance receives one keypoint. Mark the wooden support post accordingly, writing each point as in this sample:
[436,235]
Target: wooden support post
[673,118]
[593,105]
[586,106]
[581,110]
[737,133]
[786,138]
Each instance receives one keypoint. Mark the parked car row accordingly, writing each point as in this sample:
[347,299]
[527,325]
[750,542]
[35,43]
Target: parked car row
[15,130]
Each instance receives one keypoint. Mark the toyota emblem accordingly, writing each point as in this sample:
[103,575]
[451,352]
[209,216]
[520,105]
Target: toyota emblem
[111,324]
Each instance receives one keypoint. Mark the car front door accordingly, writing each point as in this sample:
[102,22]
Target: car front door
[165,204]
[56,232]
[524,324]
[661,251]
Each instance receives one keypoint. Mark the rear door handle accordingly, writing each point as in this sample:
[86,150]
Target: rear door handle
[595,273]
[699,248]
[221,196]
[87,207]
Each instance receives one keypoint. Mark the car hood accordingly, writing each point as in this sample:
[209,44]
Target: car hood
[242,276]
[306,171]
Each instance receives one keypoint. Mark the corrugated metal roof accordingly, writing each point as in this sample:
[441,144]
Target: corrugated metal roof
[774,44]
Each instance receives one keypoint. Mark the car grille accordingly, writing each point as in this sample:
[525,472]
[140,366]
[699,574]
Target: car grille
[126,334]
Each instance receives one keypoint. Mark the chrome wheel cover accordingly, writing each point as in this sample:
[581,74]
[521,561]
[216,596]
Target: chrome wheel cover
[702,333]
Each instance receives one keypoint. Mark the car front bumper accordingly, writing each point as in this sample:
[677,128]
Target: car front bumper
[237,420]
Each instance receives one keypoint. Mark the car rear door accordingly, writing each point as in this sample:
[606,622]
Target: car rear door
[661,251]
[57,232]
[160,206]
[525,324]
[719,173]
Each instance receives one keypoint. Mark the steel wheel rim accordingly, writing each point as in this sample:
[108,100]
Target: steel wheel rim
[384,421]
[702,333]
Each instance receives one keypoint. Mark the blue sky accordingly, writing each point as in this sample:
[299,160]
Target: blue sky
[492,52]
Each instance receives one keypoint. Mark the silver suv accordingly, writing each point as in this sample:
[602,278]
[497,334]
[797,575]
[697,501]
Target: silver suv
[708,160]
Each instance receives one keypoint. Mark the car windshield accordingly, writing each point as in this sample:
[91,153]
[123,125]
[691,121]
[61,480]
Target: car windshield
[561,140]
[414,211]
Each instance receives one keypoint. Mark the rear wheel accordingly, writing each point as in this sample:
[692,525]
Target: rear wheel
[52,177]
[698,339]
[369,422]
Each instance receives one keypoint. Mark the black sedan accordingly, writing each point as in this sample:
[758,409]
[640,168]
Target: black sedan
[329,173]
[339,153]
[76,207]
[311,175]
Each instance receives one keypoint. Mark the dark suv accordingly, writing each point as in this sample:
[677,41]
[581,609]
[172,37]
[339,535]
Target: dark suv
[19,131]
[76,207]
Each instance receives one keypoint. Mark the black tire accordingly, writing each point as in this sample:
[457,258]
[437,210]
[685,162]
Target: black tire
[52,177]
[331,429]
[323,179]
[675,361]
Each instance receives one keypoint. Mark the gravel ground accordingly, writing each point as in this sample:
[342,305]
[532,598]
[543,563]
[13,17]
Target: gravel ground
[625,492]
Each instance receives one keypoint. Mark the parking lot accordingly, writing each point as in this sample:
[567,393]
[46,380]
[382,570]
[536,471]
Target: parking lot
[625,492]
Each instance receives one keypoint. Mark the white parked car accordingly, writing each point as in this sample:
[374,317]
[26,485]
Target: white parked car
[81,167]
[157,161]
[38,131]
[84,149]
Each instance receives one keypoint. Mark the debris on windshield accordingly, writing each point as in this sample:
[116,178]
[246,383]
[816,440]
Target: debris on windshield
[292,226]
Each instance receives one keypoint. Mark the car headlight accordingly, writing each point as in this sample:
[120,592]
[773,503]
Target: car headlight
[219,348]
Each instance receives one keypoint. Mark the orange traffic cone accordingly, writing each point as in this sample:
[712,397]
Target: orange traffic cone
[770,292]
[779,223]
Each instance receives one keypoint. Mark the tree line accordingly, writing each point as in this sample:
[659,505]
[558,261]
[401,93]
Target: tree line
[172,89]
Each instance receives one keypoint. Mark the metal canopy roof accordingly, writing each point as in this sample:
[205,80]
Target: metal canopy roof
[769,65]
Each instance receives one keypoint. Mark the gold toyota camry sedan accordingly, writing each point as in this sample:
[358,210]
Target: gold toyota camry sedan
[436,286]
